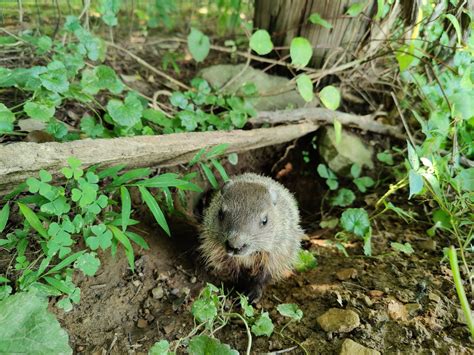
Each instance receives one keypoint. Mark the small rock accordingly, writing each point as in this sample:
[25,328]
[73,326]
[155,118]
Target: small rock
[158,292]
[186,291]
[142,323]
[136,283]
[434,297]
[350,347]
[368,301]
[80,348]
[169,328]
[176,292]
[375,293]
[193,280]
[427,245]
[412,308]
[397,310]
[31,124]
[339,320]
[461,319]
[346,274]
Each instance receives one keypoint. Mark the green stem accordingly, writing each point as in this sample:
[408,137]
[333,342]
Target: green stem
[453,261]
[249,335]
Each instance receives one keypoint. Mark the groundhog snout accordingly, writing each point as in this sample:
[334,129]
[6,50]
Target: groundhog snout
[235,247]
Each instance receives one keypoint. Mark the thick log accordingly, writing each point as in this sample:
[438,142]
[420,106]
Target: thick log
[19,161]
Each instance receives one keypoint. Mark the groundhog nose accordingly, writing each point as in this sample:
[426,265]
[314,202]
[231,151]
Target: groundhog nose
[233,250]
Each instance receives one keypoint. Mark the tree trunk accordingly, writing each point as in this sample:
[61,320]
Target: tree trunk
[286,19]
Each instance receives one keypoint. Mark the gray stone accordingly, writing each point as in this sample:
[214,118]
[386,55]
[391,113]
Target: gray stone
[351,149]
[350,347]
[339,320]
[274,92]
[158,292]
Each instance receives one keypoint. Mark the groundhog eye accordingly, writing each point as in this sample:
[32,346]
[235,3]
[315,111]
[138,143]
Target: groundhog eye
[264,221]
[220,215]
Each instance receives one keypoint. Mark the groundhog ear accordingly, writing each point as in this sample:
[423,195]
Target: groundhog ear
[226,185]
[273,195]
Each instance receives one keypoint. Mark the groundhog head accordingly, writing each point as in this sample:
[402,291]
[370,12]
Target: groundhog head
[246,218]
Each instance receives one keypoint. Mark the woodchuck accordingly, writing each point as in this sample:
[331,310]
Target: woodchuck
[250,233]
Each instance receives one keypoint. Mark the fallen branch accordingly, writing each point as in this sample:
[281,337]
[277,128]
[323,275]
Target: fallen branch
[19,161]
[324,116]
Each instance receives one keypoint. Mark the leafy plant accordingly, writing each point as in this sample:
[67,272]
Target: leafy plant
[331,178]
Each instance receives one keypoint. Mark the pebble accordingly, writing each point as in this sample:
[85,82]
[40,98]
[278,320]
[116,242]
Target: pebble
[397,310]
[158,292]
[412,308]
[193,279]
[375,293]
[142,323]
[434,297]
[339,320]
[350,347]
[346,274]
[136,283]
[427,245]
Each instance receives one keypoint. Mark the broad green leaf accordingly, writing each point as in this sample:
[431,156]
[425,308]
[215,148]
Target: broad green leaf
[337,131]
[4,214]
[198,45]
[318,20]
[88,263]
[305,87]
[344,198]
[404,248]
[33,220]
[154,208]
[204,310]
[355,170]
[160,348]
[261,42]
[290,310]
[127,113]
[355,220]
[90,127]
[457,27]
[465,180]
[101,237]
[385,157]
[126,207]
[405,56]
[246,307]
[415,181]
[6,119]
[306,261]
[233,158]
[204,345]
[329,223]
[413,157]
[55,79]
[301,51]
[209,175]
[39,111]
[330,97]
[157,117]
[363,183]
[263,325]
[463,104]
[109,10]
[380,5]
[323,171]
[356,9]
[27,327]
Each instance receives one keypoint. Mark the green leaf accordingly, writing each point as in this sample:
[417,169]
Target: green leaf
[246,307]
[91,128]
[305,87]
[202,344]
[356,9]
[7,118]
[457,27]
[204,310]
[323,171]
[415,182]
[385,157]
[88,263]
[217,150]
[126,207]
[160,348]
[65,262]
[39,111]
[355,170]
[344,198]
[131,175]
[158,118]
[318,20]
[405,56]
[4,214]
[261,42]
[465,180]
[33,220]
[363,183]
[220,169]
[127,113]
[27,327]
[109,10]
[355,220]
[102,237]
[233,158]
[404,248]
[330,97]
[137,239]
[55,79]
[290,310]
[263,325]
[306,261]
[301,51]
[122,238]
[413,157]
[380,5]
[463,104]
[198,45]
[329,223]
[154,208]
[209,175]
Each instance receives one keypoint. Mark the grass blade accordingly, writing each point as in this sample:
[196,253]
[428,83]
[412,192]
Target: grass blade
[154,208]
[137,239]
[217,150]
[209,175]
[122,238]
[220,169]
[126,207]
[33,220]
[4,214]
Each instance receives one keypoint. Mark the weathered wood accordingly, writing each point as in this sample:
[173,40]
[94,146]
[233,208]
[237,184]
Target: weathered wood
[21,160]
[324,116]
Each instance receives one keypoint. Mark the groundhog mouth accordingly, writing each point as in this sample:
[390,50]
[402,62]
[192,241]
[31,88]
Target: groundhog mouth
[232,251]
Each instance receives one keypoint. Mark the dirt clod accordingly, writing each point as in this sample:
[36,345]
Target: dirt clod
[350,347]
[339,320]
[346,274]
[397,310]
[375,293]
[142,323]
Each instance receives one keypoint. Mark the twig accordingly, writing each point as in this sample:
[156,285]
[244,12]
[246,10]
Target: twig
[150,67]
[322,115]
[410,137]
[239,74]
